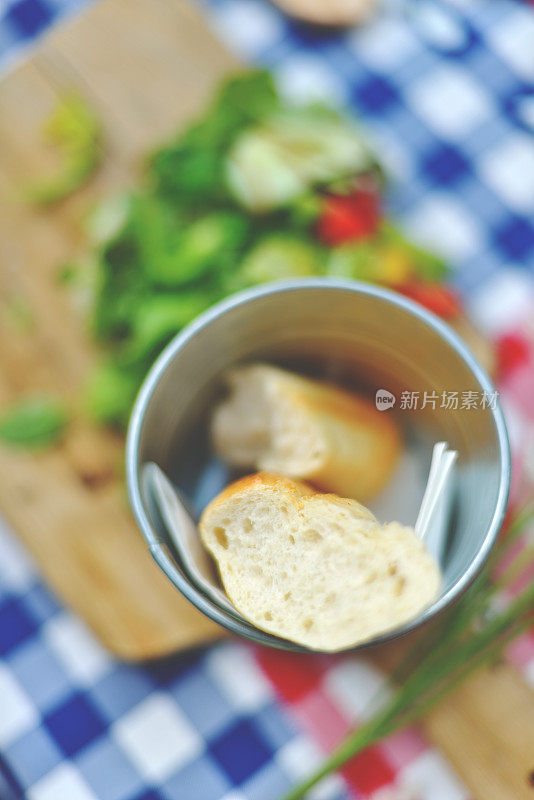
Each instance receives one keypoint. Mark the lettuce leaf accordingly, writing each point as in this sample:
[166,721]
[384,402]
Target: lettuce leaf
[191,168]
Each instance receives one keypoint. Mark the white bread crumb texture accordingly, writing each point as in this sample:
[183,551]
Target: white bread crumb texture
[277,421]
[313,568]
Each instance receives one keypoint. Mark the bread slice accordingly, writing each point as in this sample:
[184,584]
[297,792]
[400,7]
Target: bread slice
[315,568]
[280,422]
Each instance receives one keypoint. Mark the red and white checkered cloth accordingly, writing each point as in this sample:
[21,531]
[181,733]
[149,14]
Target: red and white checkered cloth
[235,722]
[327,695]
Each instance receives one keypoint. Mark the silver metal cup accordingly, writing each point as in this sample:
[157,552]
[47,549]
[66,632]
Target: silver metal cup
[357,334]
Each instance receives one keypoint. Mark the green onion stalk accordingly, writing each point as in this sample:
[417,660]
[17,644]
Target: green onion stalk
[471,634]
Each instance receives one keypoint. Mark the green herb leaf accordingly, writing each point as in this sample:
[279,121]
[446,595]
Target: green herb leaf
[33,423]
[279,256]
[173,252]
[120,287]
[74,130]
[111,392]
[191,168]
[158,319]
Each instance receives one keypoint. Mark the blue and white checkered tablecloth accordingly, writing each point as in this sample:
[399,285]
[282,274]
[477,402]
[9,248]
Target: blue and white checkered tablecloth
[77,725]
[446,92]
[22,22]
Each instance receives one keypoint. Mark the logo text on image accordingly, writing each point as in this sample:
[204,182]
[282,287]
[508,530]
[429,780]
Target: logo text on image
[384,399]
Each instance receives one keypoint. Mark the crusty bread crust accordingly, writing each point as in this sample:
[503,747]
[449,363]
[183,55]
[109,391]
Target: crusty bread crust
[315,568]
[262,480]
[280,422]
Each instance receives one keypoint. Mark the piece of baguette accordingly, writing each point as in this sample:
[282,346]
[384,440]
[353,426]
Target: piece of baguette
[315,568]
[280,422]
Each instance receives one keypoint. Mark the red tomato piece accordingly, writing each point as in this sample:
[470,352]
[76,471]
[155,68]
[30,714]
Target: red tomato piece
[436,297]
[347,218]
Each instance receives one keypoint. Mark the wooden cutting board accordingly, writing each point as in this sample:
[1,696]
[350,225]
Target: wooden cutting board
[146,66]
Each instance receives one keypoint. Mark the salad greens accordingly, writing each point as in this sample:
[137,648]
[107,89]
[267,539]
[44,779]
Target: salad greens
[191,169]
[275,162]
[277,256]
[232,202]
[387,257]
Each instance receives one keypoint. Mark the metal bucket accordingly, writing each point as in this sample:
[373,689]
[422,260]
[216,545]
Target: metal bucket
[351,332]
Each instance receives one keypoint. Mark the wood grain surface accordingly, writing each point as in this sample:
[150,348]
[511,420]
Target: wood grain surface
[145,66]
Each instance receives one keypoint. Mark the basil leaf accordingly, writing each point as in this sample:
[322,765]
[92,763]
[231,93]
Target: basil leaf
[33,423]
